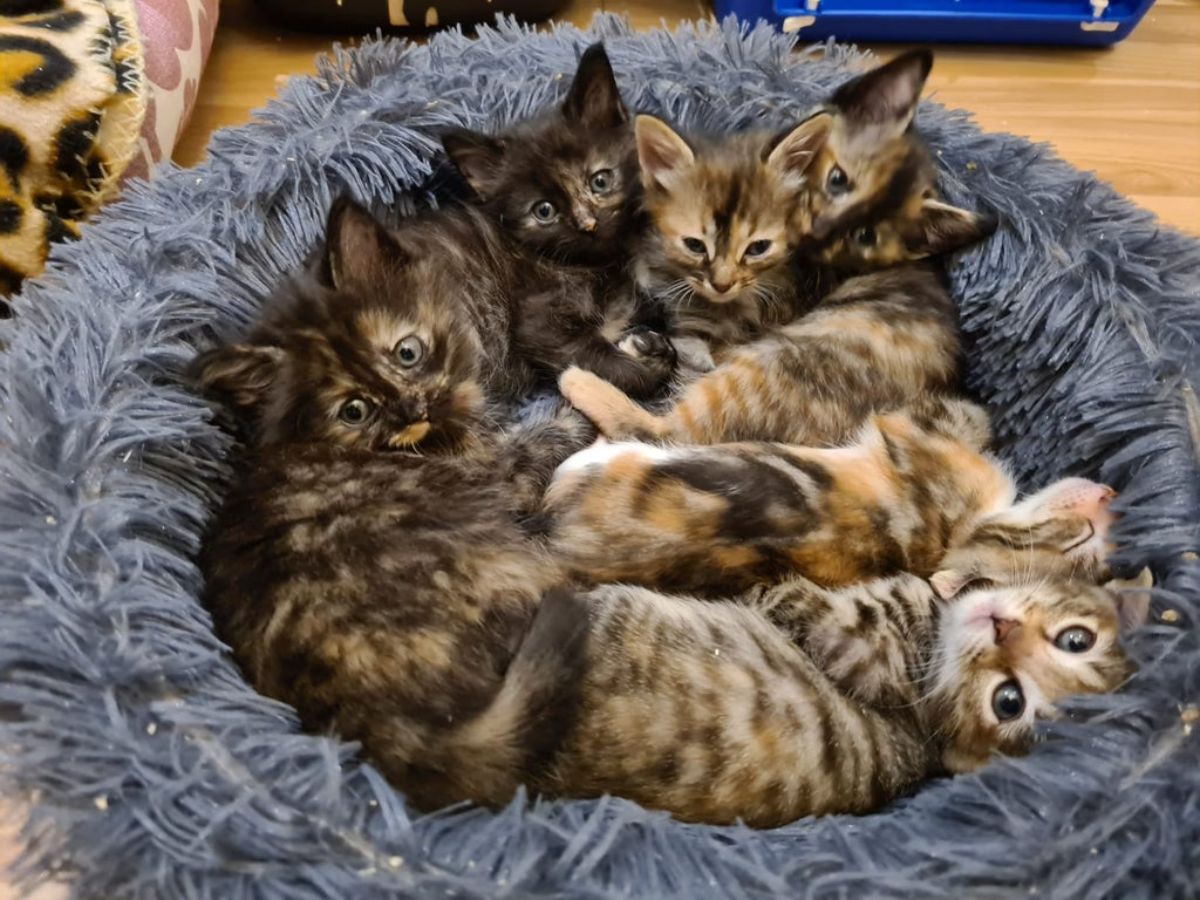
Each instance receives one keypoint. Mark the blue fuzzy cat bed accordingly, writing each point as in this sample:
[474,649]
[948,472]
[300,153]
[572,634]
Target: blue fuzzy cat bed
[156,771]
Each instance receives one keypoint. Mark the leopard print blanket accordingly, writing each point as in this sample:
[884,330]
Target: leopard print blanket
[71,105]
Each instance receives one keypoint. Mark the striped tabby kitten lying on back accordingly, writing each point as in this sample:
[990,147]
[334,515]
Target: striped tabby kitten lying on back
[911,488]
[820,702]
[371,565]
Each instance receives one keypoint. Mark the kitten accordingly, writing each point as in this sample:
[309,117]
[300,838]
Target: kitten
[719,520]
[565,183]
[726,215]
[710,711]
[373,563]
[562,190]
[877,342]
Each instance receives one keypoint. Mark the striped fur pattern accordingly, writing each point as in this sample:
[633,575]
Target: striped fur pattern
[909,490]
[811,701]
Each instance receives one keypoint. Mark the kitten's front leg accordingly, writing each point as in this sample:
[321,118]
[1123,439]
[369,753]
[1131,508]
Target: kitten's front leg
[865,637]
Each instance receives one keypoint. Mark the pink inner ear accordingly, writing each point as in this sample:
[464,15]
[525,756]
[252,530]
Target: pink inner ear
[947,583]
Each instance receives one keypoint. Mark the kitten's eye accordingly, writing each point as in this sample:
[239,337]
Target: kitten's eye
[601,181]
[865,237]
[837,182]
[757,248]
[410,351]
[1008,702]
[695,245]
[1075,640]
[544,211]
[355,412]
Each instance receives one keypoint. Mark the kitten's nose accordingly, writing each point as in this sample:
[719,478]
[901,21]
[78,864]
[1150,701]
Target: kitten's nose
[721,287]
[588,224]
[1004,628]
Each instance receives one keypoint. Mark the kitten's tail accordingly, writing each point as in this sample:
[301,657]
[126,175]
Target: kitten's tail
[515,739]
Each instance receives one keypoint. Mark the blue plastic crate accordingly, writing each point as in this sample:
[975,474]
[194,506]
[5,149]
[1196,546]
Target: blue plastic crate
[1086,22]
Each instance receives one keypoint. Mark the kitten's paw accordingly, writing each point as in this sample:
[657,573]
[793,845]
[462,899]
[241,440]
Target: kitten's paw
[644,343]
[609,409]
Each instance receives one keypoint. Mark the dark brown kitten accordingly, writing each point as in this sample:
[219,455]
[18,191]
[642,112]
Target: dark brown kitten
[398,338]
[373,565]
[565,183]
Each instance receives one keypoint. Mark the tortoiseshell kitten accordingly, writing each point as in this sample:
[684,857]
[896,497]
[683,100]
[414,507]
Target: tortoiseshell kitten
[562,189]
[911,488]
[725,215]
[564,183]
[372,565]
[817,702]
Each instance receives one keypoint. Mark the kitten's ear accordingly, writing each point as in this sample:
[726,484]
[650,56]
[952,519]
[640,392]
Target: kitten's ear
[793,151]
[1133,598]
[945,228]
[479,158]
[662,154]
[594,101]
[240,373]
[358,249]
[948,582]
[886,97]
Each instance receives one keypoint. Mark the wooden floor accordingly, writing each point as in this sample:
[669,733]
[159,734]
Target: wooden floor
[1131,114]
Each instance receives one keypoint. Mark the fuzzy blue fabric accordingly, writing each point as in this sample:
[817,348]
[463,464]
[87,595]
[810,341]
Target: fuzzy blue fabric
[157,772]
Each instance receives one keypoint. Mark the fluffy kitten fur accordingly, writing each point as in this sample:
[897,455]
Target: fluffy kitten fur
[726,215]
[714,712]
[564,183]
[718,520]
[378,573]
[562,190]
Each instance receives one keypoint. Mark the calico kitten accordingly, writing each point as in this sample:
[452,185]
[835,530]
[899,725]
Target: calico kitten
[565,183]
[710,711]
[373,565]
[718,520]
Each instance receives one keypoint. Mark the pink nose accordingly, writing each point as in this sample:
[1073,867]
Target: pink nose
[722,287]
[1004,628]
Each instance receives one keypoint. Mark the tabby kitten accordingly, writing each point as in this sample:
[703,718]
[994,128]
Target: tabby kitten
[718,520]
[564,183]
[372,565]
[710,711]
[725,215]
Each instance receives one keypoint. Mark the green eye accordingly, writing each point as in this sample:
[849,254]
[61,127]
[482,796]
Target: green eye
[602,181]
[1009,701]
[1075,640]
[410,351]
[695,245]
[757,248]
[544,211]
[355,411]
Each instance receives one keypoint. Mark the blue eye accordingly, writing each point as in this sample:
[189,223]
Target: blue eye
[410,351]
[695,245]
[837,181]
[757,248]
[1075,640]
[355,411]
[544,211]
[1009,701]
[602,181]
